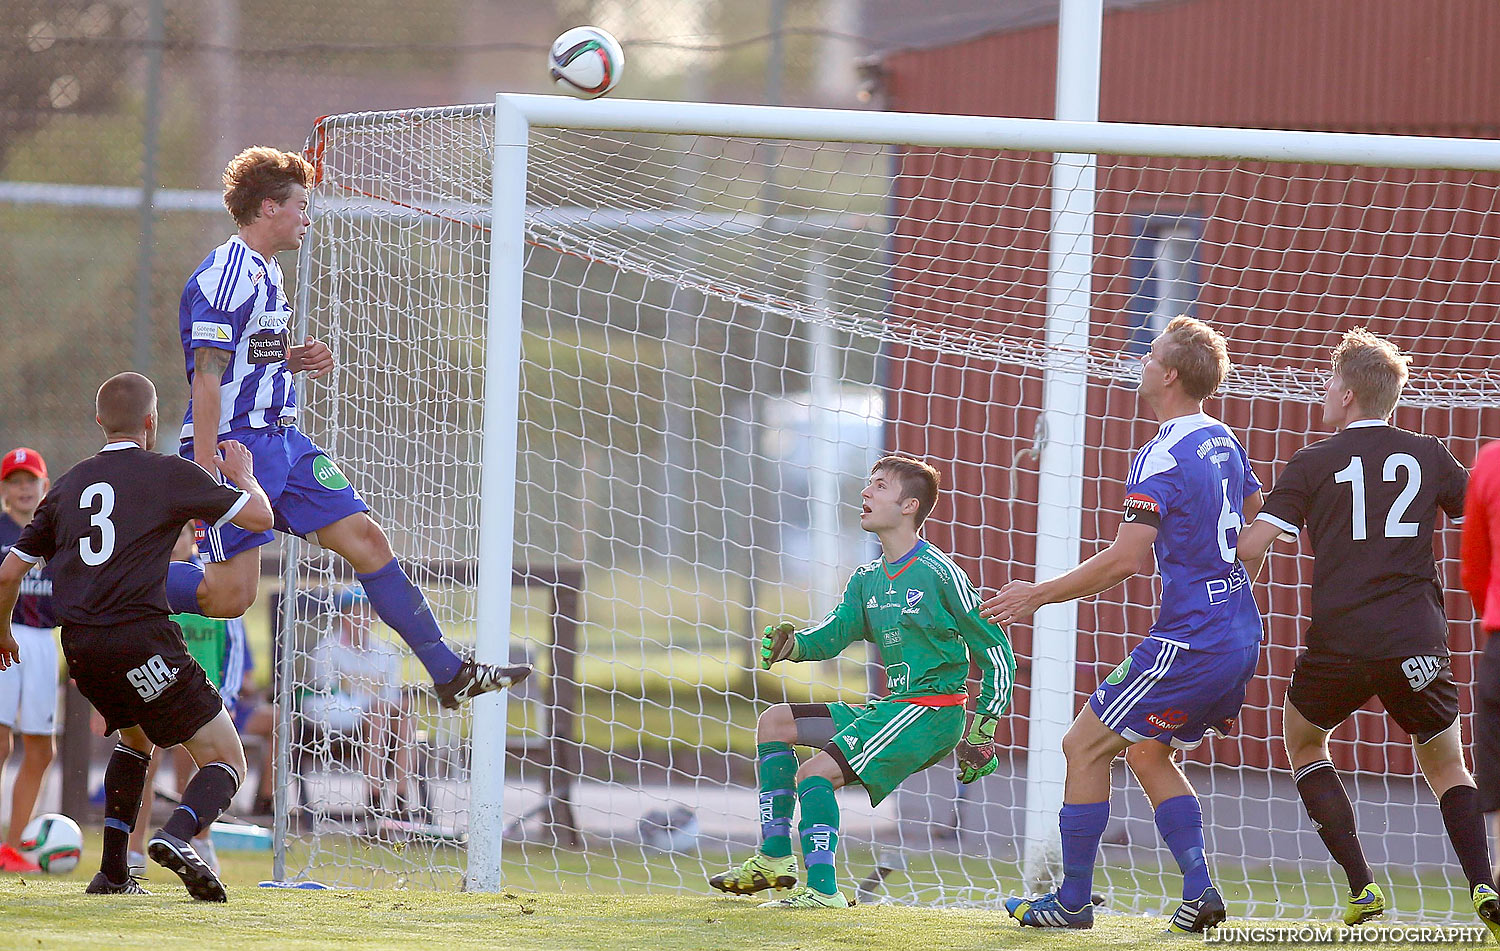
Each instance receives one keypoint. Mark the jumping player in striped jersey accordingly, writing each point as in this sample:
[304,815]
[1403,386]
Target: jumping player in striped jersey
[234,319]
[1189,492]
[921,612]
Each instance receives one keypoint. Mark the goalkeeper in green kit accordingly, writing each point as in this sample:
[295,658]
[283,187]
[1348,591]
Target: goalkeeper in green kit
[922,613]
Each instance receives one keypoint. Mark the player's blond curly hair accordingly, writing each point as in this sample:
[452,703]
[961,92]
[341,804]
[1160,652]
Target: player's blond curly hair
[1373,368]
[259,173]
[919,480]
[1198,353]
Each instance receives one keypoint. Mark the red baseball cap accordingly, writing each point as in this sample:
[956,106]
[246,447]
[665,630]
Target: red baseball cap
[23,460]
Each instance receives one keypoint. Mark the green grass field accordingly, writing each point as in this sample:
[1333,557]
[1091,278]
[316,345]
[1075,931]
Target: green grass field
[562,912]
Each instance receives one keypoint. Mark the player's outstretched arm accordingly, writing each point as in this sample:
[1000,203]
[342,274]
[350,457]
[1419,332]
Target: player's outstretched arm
[238,465]
[1254,543]
[844,625]
[209,364]
[1129,554]
[12,570]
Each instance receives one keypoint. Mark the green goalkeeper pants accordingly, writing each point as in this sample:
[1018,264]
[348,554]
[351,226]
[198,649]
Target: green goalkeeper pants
[885,741]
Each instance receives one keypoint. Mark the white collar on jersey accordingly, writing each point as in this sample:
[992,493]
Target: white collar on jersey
[122,444]
[1362,423]
[1177,419]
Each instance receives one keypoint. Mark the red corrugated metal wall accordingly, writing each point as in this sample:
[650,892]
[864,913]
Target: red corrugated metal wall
[1331,245]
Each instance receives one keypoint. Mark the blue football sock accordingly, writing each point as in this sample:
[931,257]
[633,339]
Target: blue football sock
[1082,826]
[183,578]
[1180,822]
[401,605]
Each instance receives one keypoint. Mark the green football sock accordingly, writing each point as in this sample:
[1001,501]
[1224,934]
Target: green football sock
[777,766]
[819,827]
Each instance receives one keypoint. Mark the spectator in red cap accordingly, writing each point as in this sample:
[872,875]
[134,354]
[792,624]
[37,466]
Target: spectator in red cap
[28,690]
[1480,569]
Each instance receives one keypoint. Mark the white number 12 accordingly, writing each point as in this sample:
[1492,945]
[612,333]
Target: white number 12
[1354,476]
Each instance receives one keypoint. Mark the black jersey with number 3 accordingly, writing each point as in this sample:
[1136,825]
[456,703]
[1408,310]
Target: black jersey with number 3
[108,525]
[1369,496]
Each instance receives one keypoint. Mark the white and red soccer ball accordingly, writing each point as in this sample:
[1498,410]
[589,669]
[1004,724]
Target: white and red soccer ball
[586,62]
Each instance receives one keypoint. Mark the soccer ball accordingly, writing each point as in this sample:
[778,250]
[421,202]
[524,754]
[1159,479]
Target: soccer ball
[586,62]
[671,828]
[54,842]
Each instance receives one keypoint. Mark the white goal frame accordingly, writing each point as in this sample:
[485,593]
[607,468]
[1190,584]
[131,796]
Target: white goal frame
[1071,267]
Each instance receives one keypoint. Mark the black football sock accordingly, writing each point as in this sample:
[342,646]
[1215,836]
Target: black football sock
[206,797]
[1465,824]
[124,783]
[1329,808]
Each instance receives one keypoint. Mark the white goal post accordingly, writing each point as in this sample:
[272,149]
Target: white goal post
[623,213]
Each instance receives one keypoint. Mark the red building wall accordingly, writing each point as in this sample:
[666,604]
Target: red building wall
[1413,254]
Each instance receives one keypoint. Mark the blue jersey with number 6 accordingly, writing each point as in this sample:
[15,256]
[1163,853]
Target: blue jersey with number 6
[1191,482]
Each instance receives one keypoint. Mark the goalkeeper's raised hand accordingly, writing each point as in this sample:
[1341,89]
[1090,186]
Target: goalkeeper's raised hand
[777,643]
[976,751]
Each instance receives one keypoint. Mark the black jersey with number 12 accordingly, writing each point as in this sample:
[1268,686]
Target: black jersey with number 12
[1368,496]
[108,525]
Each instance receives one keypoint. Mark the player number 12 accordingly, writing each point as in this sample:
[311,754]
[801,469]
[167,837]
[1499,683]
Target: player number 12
[1354,475]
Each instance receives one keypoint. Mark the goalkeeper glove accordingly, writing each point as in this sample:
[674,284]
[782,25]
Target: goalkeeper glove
[976,751]
[777,643]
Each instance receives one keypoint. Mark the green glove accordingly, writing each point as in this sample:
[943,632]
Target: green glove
[976,751]
[777,643]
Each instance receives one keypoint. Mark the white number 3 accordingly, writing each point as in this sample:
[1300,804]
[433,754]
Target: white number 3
[104,493]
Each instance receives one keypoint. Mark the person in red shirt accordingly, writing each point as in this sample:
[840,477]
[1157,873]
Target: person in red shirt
[1480,570]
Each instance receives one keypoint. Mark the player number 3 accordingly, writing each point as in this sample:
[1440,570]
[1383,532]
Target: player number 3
[104,494]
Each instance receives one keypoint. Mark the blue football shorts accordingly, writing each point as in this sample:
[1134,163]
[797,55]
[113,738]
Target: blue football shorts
[1168,693]
[307,491]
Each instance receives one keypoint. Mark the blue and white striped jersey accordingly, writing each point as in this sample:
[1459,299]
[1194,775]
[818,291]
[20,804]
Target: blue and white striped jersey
[1191,482]
[236,301]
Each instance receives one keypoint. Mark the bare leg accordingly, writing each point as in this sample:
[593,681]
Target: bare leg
[229,587]
[36,754]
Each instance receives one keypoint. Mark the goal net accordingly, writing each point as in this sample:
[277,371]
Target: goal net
[719,334]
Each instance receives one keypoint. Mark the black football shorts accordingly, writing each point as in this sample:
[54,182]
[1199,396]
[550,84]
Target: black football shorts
[140,674]
[1418,692]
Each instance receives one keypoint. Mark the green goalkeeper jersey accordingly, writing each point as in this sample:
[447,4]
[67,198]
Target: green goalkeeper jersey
[922,613]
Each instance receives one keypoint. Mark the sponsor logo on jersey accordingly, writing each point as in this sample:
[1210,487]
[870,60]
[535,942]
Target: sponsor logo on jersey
[273,320]
[872,603]
[897,678]
[1167,719]
[328,474]
[33,584]
[1219,589]
[265,347]
[1118,674]
[208,330]
[891,637]
[850,741]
